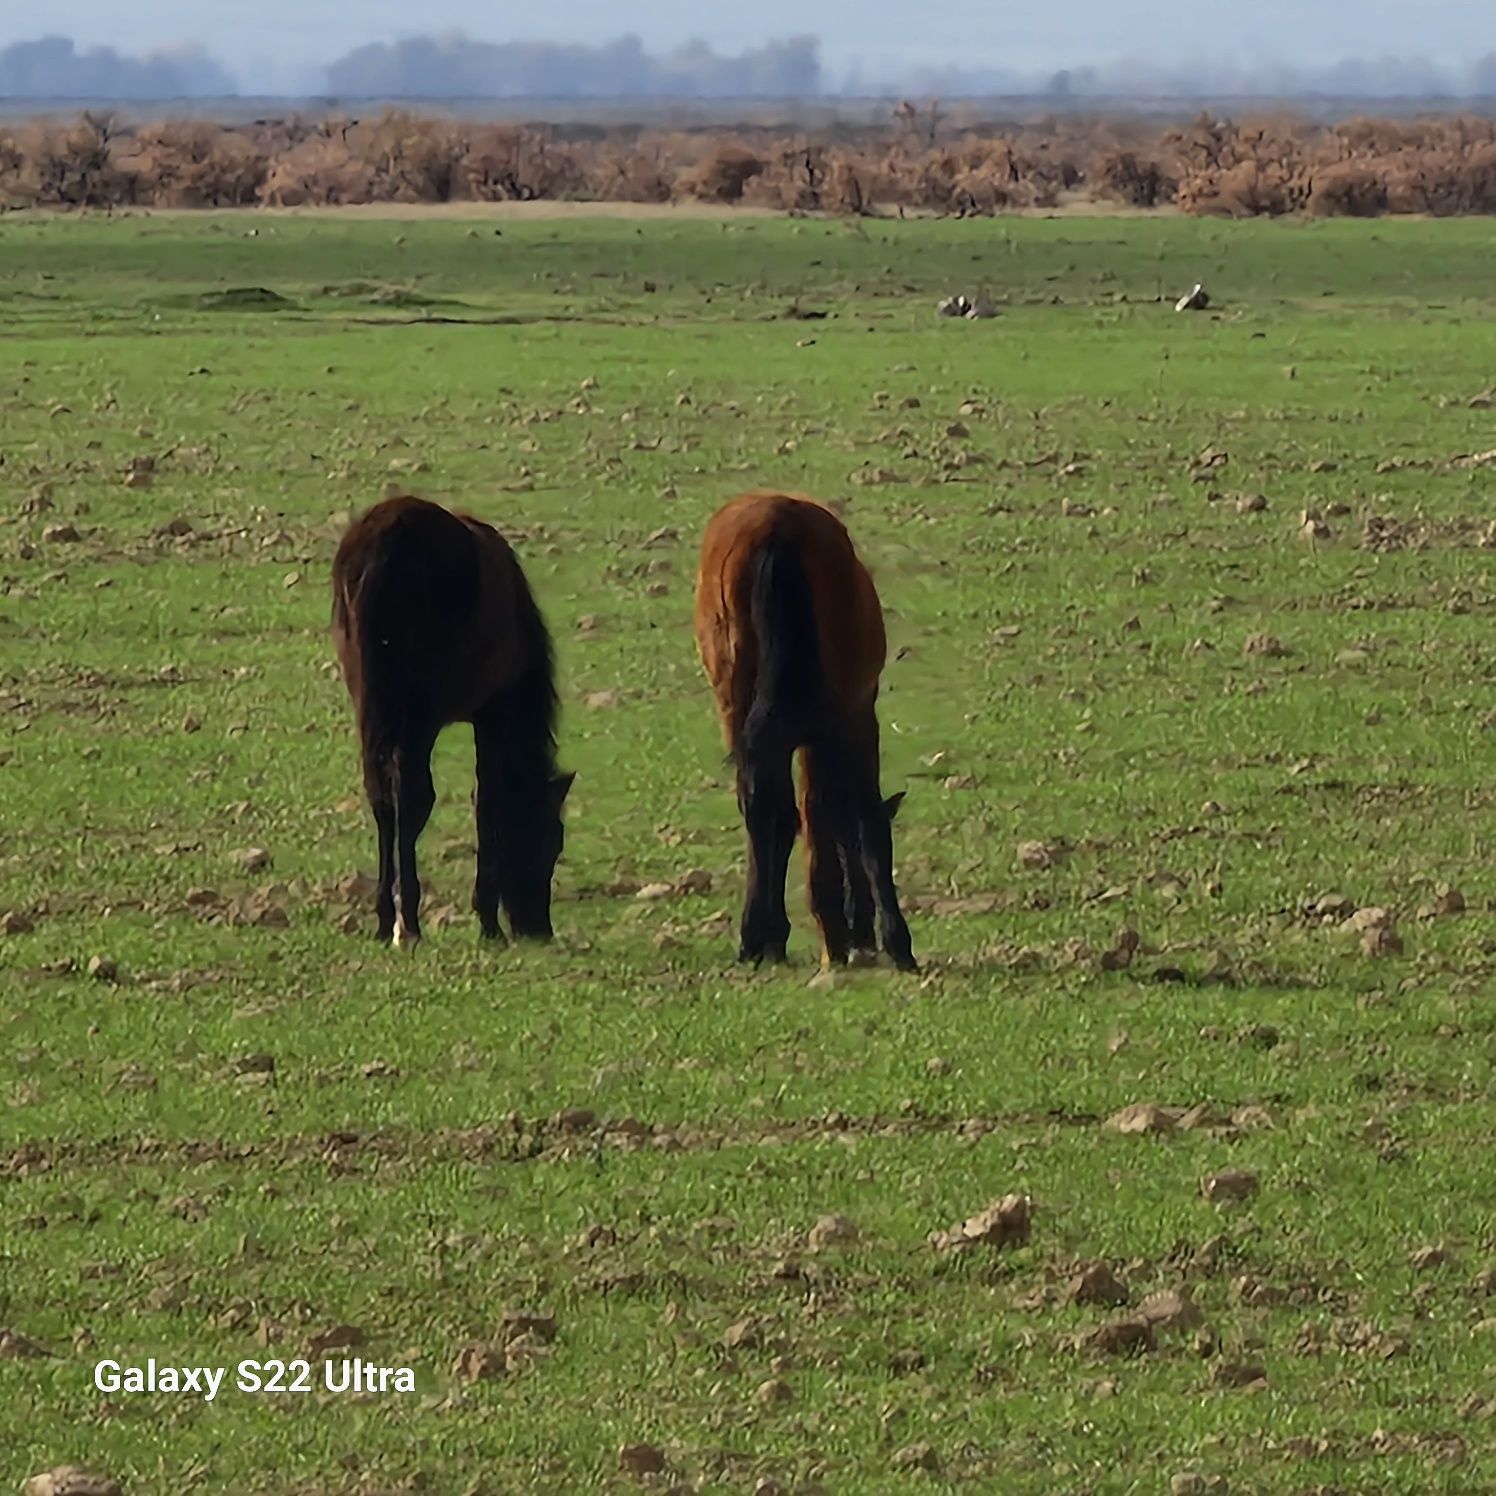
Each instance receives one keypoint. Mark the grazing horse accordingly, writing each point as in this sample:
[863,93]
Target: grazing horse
[790,631]
[434,623]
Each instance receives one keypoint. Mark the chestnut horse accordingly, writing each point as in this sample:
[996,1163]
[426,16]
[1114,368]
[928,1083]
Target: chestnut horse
[790,631]
[434,623]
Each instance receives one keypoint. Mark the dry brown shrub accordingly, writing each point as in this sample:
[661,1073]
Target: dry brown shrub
[1348,189]
[794,179]
[513,163]
[619,174]
[725,173]
[12,165]
[917,160]
[410,160]
[194,164]
[68,166]
[1140,182]
[318,171]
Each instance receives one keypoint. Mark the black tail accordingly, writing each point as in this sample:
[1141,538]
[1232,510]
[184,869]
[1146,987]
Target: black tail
[789,692]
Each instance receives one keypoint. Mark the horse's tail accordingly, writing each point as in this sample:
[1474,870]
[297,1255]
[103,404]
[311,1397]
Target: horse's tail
[790,685]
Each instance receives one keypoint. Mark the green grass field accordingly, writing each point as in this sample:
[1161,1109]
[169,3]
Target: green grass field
[625,1131]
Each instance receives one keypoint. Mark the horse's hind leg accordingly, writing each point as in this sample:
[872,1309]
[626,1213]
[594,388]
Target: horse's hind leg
[488,740]
[415,797]
[877,857]
[766,794]
[860,906]
[381,795]
[825,873]
[874,830]
[861,911]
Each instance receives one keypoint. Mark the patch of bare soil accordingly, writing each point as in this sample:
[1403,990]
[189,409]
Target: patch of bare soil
[572,1133]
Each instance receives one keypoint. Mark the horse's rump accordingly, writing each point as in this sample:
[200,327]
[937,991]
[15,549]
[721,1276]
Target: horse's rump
[786,614]
[405,585]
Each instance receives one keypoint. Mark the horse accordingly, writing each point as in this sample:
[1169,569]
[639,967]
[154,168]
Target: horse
[790,632]
[434,623]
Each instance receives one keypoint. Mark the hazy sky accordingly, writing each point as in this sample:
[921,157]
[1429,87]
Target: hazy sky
[247,33]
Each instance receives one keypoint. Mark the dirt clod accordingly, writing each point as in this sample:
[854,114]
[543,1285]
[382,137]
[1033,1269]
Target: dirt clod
[641,1459]
[1038,855]
[1192,1483]
[102,969]
[832,1231]
[1130,1336]
[253,1064]
[1237,1374]
[478,1363]
[1142,1117]
[917,1457]
[1095,1283]
[1170,1309]
[1267,646]
[1004,1223]
[1229,1184]
[742,1334]
[251,859]
[15,1346]
[521,1322]
[334,1338]
[72,1480]
[773,1391]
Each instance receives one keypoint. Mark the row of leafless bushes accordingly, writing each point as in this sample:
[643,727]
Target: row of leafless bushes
[1362,167]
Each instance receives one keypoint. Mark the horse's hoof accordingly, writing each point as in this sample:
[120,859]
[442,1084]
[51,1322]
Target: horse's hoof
[862,958]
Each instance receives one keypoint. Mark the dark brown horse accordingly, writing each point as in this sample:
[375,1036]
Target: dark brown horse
[434,623]
[791,633]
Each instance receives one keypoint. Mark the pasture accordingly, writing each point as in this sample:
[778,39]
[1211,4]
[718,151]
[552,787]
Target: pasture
[1129,688]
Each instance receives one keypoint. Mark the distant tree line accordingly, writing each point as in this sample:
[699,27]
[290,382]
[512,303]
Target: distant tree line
[1350,78]
[458,67]
[54,68]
